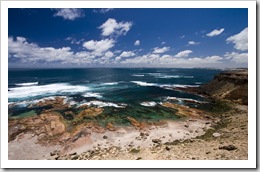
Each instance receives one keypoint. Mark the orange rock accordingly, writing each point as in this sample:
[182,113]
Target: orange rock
[90,112]
[110,127]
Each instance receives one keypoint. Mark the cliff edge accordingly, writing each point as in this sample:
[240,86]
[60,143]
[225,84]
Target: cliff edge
[230,85]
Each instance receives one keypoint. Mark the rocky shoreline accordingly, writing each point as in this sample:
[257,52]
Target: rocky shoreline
[219,133]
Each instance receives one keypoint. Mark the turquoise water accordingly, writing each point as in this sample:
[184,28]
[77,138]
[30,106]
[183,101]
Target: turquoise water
[136,92]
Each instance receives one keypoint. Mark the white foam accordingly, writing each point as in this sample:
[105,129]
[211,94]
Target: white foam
[184,86]
[155,74]
[97,95]
[198,82]
[149,104]
[143,83]
[51,89]
[110,83]
[27,84]
[173,76]
[33,102]
[103,104]
[184,99]
[138,75]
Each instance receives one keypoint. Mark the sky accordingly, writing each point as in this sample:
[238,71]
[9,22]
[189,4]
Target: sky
[127,37]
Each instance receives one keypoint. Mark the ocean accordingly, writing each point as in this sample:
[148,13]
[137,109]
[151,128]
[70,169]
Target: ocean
[136,92]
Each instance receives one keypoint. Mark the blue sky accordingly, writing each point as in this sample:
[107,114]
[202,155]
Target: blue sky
[128,37]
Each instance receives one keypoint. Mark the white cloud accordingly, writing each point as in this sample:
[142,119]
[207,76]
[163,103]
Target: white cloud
[169,60]
[99,47]
[158,50]
[163,43]
[137,43]
[184,53]
[193,43]
[237,57]
[215,32]
[109,54]
[74,41]
[127,54]
[240,40]
[111,26]
[69,13]
[105,10]
[30,52]
[183,36]
[26,52]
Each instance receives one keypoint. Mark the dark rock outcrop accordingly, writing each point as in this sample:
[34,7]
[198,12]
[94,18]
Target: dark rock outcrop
[229,85]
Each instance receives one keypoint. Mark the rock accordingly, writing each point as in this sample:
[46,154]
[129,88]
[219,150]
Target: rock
[216,135]
[134,150]
[57,157]
[138,138]
[208,152]
[110,126]
[156,141]
[105,137]
[187,126]
[74,157]
[231,85]
[207,123]
[90,112]
[138,158]
[74,153]
[133,121]
[228,148]
[167,148]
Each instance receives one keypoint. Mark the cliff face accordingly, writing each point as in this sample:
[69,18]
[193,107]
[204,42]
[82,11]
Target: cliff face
[230,85]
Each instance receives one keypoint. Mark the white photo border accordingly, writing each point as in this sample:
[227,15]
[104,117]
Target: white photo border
[250,163]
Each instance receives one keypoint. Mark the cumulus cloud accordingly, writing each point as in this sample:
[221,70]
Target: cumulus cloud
[111,26]
[103,10]
[109,54]
[215,32]
[124,54]
[127,54]
[74,41]
[237,57]
[184,53]
[158,50]
[99,47]
[69,13]
[30,52]
[169,60]
[240,40]
[163,43]
[137,43]
[26,52]
[193,43]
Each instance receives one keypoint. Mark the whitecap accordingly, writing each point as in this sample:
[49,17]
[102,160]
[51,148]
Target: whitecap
[97,95]
[103,104]
[110,83]
[143,83]
[184,99]
[27,84]
[51,89]
[138,75]
[173,76]
[184,86]
[149,104]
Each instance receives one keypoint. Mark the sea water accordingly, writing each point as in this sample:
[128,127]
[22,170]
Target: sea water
[122,92]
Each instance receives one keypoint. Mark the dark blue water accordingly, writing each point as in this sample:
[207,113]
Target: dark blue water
[124,89]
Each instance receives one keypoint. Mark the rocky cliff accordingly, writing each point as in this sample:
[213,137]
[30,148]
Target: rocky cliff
[229,85]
